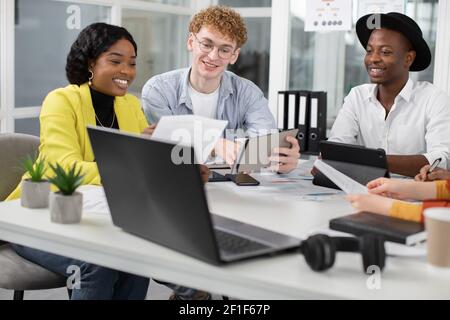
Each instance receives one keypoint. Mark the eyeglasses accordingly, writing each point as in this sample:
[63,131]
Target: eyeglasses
[224,52]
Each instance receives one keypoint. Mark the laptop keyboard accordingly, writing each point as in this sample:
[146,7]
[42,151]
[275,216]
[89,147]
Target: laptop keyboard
[233,244]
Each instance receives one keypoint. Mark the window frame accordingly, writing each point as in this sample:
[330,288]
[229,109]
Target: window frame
[8,110]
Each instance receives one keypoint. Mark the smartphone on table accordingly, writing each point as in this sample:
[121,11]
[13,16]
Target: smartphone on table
[243,179]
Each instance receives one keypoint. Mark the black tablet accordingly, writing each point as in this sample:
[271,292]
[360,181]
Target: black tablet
[344,152]
[359,163]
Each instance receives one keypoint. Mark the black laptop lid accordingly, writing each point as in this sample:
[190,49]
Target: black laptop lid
[151,196]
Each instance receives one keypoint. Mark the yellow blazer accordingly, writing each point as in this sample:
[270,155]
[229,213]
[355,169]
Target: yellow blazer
[64,116]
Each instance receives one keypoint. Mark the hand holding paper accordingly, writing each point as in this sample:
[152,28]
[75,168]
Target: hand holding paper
[189,130]
[358,194]
[347,184]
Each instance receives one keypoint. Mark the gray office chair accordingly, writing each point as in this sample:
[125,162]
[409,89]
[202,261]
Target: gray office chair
[17,273]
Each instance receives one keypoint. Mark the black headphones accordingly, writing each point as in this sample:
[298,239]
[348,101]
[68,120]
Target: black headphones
[320,250]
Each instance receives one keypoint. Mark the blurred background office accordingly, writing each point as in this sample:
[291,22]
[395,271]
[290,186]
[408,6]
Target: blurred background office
[35,36]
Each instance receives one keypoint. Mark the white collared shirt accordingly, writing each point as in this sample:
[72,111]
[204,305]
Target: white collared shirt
[418,123]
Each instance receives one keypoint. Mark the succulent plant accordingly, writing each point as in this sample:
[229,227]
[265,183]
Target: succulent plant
[35,167]
[66,181]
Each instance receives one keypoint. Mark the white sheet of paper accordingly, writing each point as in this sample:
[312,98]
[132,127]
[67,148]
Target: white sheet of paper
[347,184]
[190,130]
[94,199]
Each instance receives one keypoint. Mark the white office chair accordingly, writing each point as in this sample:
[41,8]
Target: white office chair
[17,273]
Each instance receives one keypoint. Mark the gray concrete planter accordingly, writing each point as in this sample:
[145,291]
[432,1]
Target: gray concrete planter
[34,194]
[66,209]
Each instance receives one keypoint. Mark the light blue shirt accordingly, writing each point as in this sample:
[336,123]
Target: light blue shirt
[240,101]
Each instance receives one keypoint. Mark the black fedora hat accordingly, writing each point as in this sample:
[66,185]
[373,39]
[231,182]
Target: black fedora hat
[401,23]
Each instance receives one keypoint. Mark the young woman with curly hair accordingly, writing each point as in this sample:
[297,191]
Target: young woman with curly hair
[100,67]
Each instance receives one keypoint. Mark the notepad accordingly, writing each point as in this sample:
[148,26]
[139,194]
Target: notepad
[201,133]
[392,229]
[347,184]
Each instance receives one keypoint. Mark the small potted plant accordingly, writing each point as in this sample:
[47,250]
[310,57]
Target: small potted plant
[35,189]
[66,205]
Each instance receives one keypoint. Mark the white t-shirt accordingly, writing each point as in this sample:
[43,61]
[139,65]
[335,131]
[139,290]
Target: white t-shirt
[418,123]
[204,104]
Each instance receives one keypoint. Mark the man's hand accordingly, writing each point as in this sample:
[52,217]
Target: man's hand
[437,174]
[406,165]
[286,158]
[149,130]
[370,202]
[227,150]
[204,172]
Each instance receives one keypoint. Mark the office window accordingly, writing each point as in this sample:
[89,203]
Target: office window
[161,39]
[28,126]
[172,2]
[424,12]
[247,3]
[44,32]
[333,61]
[253,62]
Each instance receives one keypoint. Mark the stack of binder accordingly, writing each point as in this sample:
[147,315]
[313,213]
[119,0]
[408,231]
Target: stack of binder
[307,111]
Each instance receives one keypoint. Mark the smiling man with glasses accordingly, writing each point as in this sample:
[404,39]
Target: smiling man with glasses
[224,52]
[208,89]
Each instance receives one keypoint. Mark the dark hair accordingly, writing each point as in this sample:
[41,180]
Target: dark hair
[90,44]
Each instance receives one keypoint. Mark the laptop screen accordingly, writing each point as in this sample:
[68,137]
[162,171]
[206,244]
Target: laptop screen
[153,193]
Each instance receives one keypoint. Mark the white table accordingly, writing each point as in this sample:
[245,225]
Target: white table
[282,277]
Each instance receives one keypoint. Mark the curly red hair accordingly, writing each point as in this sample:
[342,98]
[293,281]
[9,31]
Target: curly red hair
[222,19]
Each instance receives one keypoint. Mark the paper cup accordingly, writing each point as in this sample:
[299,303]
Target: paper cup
[437,224]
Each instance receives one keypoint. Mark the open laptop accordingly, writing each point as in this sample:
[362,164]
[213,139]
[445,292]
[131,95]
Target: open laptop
[154,198]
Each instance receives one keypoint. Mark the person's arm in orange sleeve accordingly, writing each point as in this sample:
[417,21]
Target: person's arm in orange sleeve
[385,189]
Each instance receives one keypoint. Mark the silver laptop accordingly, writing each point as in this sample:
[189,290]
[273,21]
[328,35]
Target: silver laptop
[153,197]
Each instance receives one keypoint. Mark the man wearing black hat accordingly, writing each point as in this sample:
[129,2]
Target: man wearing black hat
[410,120]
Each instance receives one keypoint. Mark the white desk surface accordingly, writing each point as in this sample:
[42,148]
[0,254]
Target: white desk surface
[96,240]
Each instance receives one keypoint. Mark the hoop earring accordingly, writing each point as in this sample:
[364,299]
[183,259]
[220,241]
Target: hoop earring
[91,76]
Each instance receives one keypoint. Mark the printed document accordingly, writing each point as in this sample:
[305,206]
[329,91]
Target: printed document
[201,133]
[347,184]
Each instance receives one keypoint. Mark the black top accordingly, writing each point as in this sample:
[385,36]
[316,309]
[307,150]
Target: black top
[104,109]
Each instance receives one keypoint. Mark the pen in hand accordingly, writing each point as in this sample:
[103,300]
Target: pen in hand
[434,165]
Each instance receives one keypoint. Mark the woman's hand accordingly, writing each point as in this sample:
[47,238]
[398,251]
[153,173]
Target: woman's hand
[402,189]
[392,188]
[370,202]
[149,130]
[437,174]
